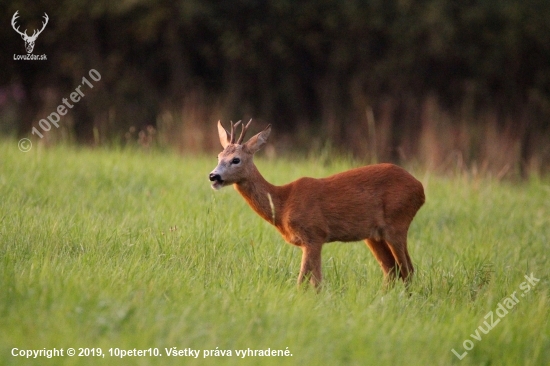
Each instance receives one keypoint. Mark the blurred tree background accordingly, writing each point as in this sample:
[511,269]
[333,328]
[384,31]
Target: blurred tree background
[445,82]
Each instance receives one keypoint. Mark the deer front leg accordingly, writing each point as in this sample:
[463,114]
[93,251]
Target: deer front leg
[311,265]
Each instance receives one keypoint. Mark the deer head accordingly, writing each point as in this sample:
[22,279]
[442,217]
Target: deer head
[29,40]
[235,161]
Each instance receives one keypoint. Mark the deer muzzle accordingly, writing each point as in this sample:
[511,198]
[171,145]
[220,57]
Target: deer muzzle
[217,180]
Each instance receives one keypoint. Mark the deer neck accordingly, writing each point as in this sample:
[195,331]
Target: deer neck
[264,198]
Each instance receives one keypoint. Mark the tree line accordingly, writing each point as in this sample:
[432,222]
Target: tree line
[392,80]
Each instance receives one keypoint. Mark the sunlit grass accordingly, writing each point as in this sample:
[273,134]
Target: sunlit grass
[132,250]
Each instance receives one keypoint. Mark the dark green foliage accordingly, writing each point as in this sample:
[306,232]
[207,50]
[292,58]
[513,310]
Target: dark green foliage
[316,62]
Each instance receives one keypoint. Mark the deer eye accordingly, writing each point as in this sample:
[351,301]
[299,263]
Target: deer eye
[235,161]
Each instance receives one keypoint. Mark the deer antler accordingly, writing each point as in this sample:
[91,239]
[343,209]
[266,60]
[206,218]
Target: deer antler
[232,135]
[24,34]
[243,132]
[13,19]
[43,26]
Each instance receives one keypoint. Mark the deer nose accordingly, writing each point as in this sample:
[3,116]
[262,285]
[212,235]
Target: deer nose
[215,177]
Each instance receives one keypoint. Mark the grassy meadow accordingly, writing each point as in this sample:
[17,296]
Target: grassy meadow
[124,249]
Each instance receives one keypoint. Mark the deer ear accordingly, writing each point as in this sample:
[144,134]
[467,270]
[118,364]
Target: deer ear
[256,142]
[224,135]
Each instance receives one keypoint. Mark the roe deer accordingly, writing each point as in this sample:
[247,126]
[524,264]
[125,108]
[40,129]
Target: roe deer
[375,203]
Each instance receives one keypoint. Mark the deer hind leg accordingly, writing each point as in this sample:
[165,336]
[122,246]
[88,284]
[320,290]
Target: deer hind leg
[411,268]
[398,247]
[311,265]
[385,258]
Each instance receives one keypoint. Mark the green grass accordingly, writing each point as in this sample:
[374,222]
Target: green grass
[132,250]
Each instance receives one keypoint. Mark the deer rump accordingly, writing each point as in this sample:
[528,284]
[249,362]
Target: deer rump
[371,202]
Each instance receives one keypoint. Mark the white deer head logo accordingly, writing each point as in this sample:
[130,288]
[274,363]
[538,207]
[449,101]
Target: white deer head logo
[29,40]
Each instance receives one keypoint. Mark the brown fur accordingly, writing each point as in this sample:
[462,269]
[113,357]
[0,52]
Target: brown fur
[375,203]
